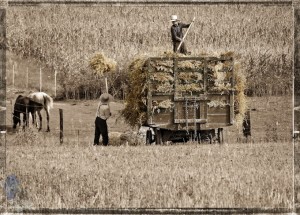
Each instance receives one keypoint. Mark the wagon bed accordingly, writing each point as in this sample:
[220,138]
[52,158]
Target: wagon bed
[190,95]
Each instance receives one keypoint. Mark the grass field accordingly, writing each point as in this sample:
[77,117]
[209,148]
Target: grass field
[230,175]
[75,174]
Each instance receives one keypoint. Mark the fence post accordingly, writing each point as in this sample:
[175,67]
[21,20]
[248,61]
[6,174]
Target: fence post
[61,126]
[78,136]
[40,79]
[13,75]
[27,78]
[55,74]
[12,111]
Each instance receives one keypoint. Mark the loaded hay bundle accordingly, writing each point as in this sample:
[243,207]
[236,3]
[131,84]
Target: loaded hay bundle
[101,64]
[135,111]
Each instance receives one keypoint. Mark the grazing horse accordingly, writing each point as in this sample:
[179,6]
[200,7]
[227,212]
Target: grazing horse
[46,101]
[24,105]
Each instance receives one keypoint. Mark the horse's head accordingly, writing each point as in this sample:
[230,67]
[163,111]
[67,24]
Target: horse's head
[17,110]
[16,120]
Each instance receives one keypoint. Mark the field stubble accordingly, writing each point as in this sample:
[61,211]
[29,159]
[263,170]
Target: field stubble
[77,175]
[228,175]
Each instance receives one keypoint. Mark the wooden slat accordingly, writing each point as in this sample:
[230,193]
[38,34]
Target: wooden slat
[190,120]
[217,114]
[198,98]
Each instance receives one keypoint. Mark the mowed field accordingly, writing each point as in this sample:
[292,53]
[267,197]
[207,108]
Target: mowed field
[191,175]
[77,175]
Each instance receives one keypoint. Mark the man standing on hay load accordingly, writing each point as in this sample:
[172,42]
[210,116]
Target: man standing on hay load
[177,35]
[102,114]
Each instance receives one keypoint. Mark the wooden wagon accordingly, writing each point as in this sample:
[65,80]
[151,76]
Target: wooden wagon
[189,98]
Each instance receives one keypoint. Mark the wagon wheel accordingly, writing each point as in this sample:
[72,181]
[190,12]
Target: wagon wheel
[158,136]
[149,137]
[220,135]
[210,138]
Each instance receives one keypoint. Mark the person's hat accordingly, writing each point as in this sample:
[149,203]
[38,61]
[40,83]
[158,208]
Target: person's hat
[174,18]
[105,98]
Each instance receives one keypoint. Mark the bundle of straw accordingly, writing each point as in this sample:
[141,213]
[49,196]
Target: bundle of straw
[101,64]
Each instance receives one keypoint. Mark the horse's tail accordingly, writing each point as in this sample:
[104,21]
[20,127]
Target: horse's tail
[48,101]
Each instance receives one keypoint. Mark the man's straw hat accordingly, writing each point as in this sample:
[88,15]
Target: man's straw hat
[105,98]
[174,18]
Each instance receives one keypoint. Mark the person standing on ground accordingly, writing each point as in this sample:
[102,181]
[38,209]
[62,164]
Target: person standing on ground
[102,114]
[177,35]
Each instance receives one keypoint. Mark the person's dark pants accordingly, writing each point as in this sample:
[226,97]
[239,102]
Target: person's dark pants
[182,48]
[101,129]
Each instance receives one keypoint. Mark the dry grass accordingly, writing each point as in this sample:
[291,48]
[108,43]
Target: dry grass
[230,175]
[76,175]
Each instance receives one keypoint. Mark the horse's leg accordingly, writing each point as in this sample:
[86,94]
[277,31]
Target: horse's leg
[48,118]
[24,121]
[40,116]
[26,118]
[33,117]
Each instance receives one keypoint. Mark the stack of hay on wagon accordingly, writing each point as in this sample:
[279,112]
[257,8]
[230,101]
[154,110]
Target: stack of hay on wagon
[187,83]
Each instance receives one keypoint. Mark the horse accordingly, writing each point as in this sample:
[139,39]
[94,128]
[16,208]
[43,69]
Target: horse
[46,101]
[24,105]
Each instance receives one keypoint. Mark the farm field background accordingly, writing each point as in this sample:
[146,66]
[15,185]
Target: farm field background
[260,36]
[234,174]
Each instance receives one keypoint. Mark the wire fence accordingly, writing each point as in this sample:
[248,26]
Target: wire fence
[85,137]
[75,134]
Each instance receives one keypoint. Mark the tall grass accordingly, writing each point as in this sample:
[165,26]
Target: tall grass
[226,176]
[66,37]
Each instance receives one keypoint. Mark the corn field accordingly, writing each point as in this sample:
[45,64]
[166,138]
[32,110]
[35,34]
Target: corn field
[65,38]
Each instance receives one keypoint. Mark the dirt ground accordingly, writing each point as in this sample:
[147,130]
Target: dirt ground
[271,118]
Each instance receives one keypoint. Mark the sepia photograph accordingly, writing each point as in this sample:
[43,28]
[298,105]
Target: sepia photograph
[296,107]
[148,106]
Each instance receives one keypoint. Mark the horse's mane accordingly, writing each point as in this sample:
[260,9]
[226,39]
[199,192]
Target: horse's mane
[19,97]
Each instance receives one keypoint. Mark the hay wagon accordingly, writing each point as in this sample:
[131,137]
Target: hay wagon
[189,98]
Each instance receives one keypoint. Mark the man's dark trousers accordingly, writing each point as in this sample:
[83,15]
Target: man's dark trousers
[182,48]
[101,129]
